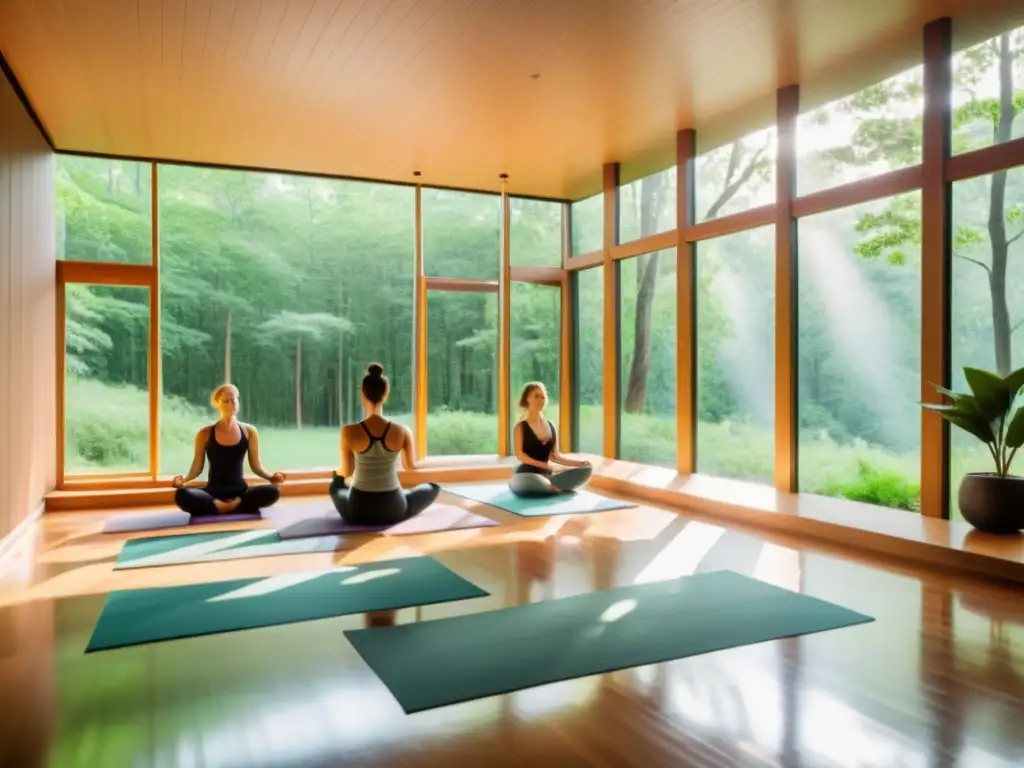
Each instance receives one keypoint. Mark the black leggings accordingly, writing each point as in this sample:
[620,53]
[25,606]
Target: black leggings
[198,502]
[372,508]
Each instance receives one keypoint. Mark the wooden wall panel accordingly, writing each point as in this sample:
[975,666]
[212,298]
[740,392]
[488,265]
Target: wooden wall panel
[27,314]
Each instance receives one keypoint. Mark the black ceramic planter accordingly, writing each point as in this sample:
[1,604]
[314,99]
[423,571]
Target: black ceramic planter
[991,503]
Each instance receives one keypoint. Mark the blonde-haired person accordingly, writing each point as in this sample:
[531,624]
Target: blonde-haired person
[225,443]
[366,490]
[536,447]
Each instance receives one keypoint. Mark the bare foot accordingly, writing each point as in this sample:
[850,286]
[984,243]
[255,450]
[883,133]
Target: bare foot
[224,507]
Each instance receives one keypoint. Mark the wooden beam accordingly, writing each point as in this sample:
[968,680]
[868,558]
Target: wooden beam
[464,286]
[731,224]
[109,478]
[155,379]
[896,182]
[786,357]
[566,234]
[686,306]
[419,346]
[60,371]
[649,244]
[505,325]
[566,356]
[538,275]
[12,81]
[610,388]
[293,172]
[100,273]
[585,260]
[104,495]
[936,266]
[566,352]
[982,162]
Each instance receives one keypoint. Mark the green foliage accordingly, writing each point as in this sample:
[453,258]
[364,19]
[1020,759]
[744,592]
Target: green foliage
[888,136]
[874,485]
[988,413]
[107,426]
[891,231]
[310,326]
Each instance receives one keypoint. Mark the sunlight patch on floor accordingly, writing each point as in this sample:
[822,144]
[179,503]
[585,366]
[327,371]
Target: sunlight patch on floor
[268,586]
[683,555]
[362,578]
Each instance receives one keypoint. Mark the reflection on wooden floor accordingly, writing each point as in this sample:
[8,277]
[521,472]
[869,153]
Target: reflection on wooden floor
[936,680]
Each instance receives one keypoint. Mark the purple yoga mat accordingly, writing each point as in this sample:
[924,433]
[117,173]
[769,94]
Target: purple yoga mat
[165,518]
[232,518]
[301,523]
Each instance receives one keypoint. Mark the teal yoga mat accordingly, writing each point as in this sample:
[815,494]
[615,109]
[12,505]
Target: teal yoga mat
[214,547]
[498,495]
[137,616]
[435,663]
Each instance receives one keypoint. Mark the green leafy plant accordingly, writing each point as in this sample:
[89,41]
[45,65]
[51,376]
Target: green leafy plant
[988,413]
[877,485]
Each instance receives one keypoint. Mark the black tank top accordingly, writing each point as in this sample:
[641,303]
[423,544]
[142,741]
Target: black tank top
[535,449]
[226,462]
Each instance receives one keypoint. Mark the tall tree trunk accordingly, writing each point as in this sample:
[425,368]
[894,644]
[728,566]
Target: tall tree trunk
[227,349]
[341,362]
[651,189]
[138,178]
[298,383]
[997,217]
[639,369]
[351,390]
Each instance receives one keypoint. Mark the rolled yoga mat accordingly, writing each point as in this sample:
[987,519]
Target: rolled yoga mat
[435,663]
[298,523]
[215,547]
[498,495]
[165,518]
[137,616]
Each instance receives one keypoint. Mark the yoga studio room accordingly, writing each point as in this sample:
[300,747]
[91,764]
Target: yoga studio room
[485,383]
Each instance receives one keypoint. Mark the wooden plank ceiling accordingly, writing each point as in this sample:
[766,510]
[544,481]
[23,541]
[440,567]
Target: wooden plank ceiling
[461,90]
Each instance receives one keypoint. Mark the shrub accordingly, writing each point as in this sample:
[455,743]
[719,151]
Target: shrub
[878,486]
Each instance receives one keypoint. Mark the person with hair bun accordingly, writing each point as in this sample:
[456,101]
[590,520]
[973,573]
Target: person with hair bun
[366,490]
[536,447]
[225,443]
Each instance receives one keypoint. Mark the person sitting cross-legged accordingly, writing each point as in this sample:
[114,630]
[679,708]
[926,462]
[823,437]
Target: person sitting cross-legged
[226,443]
[536,447]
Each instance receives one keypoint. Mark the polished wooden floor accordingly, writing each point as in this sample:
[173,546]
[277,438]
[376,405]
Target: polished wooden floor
[936,680]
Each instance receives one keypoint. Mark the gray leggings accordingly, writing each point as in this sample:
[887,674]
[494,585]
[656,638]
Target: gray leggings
[373,508]
[533,484]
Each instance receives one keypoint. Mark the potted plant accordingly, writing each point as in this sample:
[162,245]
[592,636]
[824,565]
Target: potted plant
[990,501]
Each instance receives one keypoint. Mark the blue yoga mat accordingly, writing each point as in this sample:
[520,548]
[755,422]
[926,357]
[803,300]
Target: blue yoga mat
[137,616]
[498,495]
[215,547]
[435,663]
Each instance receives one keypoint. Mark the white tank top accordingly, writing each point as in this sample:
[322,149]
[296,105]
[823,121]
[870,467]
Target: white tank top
[376,468]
